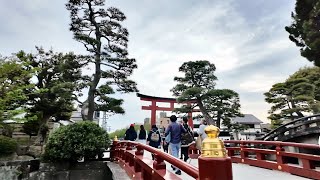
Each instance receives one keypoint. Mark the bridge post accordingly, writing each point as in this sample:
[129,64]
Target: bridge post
[136,165]
[214,163]
[280,159]
[158,162]
[113,149]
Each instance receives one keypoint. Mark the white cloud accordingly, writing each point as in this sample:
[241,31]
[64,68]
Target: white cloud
[259,83]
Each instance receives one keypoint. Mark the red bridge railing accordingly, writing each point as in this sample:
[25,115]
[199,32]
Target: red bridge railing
[294,158]
[130,156]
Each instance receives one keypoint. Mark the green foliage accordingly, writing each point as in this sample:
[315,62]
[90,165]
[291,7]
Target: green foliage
[57,78]
[197,87]
[76,141]
[7,129]
[223,104]
[14,87]
[305,29]
[100,31]
[120,133]
[299,94]
[7,145]
[31,127]
[198,79]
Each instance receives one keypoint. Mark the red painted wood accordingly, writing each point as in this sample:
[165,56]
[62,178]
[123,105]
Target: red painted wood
[215,168]
[185,167]
[305,170]
[153,112]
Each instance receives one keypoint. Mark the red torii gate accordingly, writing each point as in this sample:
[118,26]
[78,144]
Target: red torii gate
[153,107]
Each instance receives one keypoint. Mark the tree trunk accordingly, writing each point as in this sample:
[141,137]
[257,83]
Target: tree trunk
[97,57]
[205,113]
[43,124]
[218,119]
[298,112]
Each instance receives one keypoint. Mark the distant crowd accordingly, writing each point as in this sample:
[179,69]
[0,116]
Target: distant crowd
[175,139]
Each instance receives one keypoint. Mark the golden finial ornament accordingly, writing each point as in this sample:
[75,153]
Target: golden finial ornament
[212,146]
[115,138]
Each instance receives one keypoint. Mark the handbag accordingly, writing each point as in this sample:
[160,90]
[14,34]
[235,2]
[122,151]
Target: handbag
[168,138]
[199,143]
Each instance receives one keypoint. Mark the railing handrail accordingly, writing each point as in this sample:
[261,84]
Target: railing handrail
[292,122]
[275,143]
[185,167]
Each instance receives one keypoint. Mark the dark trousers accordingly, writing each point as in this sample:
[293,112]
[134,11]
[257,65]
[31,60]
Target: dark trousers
[184,153]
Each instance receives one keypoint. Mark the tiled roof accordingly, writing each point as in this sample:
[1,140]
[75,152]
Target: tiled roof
[247,119]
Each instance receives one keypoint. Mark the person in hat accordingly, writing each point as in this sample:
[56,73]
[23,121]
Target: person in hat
[131,134]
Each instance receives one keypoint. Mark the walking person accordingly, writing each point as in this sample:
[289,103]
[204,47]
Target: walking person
[201,134]
[175,130]
[186,140]
[142,135]
[165,145]
[131,134]
[154,138]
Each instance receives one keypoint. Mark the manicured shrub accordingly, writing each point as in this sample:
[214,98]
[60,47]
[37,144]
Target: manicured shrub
[7,145]
[31,127]
[76,141]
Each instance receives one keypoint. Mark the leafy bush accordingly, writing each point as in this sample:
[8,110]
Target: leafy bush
[7,145]
[31,127]
[76,141]
[7,130]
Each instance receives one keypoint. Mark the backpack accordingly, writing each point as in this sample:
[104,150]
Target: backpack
[187,138]
[155,136]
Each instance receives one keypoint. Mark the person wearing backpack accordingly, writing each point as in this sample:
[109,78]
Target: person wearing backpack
[154,138]
[186,140]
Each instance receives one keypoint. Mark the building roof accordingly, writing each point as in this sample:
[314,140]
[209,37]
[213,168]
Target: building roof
[247,119]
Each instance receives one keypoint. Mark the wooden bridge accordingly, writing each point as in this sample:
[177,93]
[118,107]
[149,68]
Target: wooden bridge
[135,159]
[302,127]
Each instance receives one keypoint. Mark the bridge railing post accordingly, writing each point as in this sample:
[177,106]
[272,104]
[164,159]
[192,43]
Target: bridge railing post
[158,162]
[136,165]
[113,149]
[213,163]
[243,154]
[280,159]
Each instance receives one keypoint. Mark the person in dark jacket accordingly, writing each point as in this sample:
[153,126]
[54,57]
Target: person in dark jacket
[186,140]
[142,135]
[175,130]
[165,145]
[154,138]
[131,134]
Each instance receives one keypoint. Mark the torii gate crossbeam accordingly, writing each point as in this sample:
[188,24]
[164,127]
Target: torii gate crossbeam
[154,108]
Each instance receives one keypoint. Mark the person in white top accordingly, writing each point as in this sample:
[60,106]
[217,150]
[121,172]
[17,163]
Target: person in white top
[201,132]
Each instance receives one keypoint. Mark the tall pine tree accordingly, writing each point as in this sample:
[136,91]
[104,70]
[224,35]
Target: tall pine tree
[101,33]
[305,29]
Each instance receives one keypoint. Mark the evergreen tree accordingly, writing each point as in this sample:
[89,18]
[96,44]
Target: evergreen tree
[198,80]
[290,99]
[305,29]
[101,33]
[223,104]
[56,76]
[14,87]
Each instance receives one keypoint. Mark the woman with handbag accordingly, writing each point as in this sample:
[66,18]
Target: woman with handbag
[186,140]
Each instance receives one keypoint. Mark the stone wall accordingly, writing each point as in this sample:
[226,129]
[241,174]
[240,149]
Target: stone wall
[34,170]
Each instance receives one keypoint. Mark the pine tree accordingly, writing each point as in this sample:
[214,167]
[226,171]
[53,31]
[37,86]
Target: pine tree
[305,29]
[101,33]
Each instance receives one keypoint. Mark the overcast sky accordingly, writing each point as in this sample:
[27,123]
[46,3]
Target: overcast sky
[245,39]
